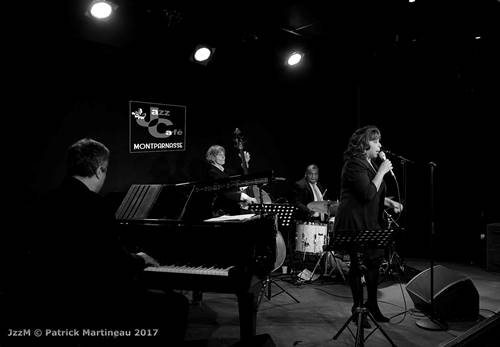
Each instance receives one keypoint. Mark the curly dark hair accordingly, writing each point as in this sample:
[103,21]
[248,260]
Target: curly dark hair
[85,156]
[358,142]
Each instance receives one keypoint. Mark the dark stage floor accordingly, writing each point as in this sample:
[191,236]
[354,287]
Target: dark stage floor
[325,305]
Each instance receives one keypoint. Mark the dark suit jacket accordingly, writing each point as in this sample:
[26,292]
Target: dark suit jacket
[302,195]
[82,276]
[77,251]
[361,205]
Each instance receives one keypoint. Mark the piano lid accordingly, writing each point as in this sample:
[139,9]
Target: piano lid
[188,200]
[235,181]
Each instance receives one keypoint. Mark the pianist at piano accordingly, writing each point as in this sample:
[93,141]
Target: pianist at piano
[81,275]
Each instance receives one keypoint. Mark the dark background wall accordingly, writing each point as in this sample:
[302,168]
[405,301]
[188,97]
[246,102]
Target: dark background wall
[432,89]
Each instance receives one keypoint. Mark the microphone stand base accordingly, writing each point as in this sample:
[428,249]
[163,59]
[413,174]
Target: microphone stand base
[431,324]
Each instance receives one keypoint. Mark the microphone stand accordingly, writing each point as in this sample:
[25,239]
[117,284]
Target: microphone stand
[432,323]
[403,162]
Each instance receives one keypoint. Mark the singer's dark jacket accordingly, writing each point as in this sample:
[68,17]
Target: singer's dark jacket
[361,206]
[302,195]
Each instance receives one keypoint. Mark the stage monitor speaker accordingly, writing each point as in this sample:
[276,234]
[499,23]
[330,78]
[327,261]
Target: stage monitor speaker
[455,296]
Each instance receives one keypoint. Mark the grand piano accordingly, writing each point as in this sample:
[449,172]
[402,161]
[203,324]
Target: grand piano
[223,256]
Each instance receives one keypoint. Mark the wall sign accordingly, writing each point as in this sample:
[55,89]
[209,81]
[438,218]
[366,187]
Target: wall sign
[156,127]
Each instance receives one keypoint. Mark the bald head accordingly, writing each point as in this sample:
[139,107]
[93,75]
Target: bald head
[312,173]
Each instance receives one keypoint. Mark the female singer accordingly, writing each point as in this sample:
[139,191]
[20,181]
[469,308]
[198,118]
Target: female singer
[361,207]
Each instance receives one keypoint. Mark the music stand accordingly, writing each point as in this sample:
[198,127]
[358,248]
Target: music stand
[351,240]
[285,213]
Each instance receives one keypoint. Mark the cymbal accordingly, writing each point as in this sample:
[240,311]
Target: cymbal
[326,206]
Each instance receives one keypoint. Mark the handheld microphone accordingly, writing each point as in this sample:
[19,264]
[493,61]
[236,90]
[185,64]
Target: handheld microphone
[395,155]
[388,151]
[383,157]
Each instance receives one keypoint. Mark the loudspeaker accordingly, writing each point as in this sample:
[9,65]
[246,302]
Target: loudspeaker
[455,296]
[493,247]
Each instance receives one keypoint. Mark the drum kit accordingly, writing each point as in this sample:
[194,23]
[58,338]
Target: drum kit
[312,237]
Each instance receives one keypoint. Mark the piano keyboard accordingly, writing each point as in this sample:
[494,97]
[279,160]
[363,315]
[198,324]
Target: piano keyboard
[183,269]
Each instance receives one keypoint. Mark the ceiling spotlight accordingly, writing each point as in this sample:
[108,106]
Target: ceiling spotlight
[101,9]
[294,58]
[202,54]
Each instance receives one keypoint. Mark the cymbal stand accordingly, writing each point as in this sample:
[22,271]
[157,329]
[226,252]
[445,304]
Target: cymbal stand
[395,263]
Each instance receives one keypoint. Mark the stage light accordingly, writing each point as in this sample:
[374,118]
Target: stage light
[202,54]
[294,58]
[101,9]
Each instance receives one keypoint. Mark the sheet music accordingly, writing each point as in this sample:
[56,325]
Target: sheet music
[231,217]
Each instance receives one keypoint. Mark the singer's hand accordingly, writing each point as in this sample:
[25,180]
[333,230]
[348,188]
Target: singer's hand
[385,166]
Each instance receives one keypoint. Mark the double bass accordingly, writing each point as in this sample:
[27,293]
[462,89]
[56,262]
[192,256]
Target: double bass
[255,192]
[262,197]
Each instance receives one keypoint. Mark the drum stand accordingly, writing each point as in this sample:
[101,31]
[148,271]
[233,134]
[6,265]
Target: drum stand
[336,265]
[328,253]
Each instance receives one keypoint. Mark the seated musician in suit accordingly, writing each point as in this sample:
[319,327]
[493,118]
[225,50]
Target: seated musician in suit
[227,201]
[81,271]
[306,190]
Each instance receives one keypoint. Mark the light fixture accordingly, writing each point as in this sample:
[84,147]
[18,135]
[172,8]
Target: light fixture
[294,58]
[101,9]
[202,54]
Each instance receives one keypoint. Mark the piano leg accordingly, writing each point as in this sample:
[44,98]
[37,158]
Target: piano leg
[247,307]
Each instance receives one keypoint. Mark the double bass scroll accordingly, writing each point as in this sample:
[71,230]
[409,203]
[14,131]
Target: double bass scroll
[254,191]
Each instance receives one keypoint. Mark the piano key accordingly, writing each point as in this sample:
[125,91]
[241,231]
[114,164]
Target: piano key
[200,270]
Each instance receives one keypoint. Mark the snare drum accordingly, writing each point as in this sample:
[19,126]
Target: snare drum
[310,237]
